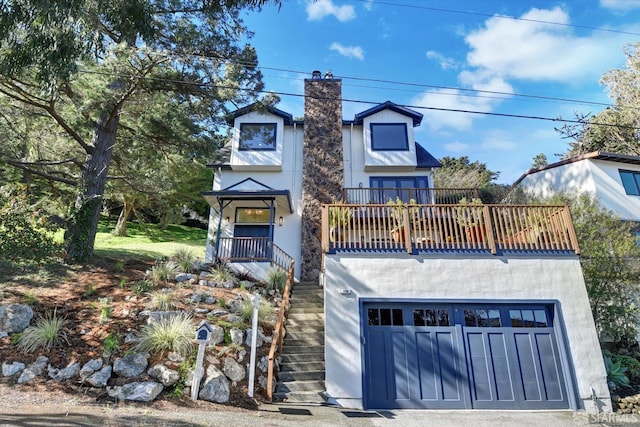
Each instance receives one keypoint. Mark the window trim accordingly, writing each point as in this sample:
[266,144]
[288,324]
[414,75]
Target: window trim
[373,140]
[275,136]
[635,175]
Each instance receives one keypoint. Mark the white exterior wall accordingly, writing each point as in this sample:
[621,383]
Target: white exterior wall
[598,178]
[253,160]
[455,280]
[355,170]
[287,237]
[376,160]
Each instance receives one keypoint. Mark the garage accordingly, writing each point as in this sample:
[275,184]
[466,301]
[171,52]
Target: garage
[461,356]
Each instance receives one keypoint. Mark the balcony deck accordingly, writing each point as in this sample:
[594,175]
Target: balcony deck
[430,228]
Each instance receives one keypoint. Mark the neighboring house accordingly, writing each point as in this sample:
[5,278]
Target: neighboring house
[428,303]
[614,179]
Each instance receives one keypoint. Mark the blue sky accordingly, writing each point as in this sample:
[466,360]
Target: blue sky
[439,54]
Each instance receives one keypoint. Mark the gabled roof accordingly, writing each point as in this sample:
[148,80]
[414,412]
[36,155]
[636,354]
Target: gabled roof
[594,155]
[258,106]
[424,159]
[388,105]
[248,189]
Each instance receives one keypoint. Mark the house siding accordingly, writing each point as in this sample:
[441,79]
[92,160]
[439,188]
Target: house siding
[458,280]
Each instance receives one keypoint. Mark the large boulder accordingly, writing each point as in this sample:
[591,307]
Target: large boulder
[10,369]
[166,376]
[90,367]
[233,370]
[15,317]
[145,391]
[131,365]
[216,386]
[100,378]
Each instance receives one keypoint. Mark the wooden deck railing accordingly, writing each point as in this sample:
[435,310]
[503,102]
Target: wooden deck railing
[279,331]
[453,227]
[433,196]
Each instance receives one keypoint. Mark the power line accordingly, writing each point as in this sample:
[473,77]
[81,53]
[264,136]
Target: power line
[358,101]
[538,21]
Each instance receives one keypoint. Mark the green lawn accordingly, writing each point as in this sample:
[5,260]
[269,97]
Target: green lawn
[149,240]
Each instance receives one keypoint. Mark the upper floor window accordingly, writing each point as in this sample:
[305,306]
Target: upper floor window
[257,136]
[389,136]
[631,182]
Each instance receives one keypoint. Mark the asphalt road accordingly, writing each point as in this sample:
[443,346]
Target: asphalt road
[293,415]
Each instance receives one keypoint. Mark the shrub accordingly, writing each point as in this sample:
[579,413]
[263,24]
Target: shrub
[174,333]
[265,310]
[49,330]
[161,300]
[221,274]
[110,344]
[25,232]
[142,286]
[185,259]
[616,376]
[163,271]
[105,310]
[276,279]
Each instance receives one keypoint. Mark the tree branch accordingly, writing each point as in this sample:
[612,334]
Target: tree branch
[47,176]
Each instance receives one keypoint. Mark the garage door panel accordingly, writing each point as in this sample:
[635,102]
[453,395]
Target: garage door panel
[551,378]
[400,381]
[480,356]
[526,350]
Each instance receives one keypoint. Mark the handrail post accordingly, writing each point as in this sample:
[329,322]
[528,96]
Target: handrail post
[325,228]
[566,213]
[406,229]
[488,222]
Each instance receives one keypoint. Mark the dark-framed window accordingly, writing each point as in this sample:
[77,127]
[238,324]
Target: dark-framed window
[403,187]
[389,137]
[257,137]
[253,215]
[630,182]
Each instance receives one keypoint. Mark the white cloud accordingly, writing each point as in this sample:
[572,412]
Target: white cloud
[498,140]
[368,4]
[319,9]
[445,62]
[620,5]
[348,51]
[457,147]
[448,99]
[538,51]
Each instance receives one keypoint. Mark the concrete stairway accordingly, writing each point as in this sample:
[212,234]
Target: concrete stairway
[301,376]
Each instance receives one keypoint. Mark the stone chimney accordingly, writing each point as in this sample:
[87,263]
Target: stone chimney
[322,168]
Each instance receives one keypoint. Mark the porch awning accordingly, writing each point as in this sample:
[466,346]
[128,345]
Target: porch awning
[215,199]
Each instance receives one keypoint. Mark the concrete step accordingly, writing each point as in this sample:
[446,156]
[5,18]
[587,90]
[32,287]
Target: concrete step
[302,349]
[312,340]
[287,377]
[305,316]
[302,366]
[311,385]
[313,324]
[306,307]
[316,397]
[300,334]
[308,357]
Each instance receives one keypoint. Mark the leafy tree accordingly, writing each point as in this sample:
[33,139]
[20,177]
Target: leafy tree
[609,259]
[614,129]
[88,68]
[460,172]
[539,160]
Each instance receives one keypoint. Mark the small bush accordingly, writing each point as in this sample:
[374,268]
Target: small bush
[174,333]
[142,286]
[161,300]
[265,310]
[164,271]
[110,344]
[25,232]
[105,310]
[185,259]
[616,376]
[276,279]
[49,330]
[221,274]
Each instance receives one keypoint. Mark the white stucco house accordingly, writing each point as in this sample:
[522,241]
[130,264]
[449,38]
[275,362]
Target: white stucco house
[614,179]
[427,303]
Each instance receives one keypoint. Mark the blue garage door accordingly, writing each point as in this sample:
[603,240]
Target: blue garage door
[461,356]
